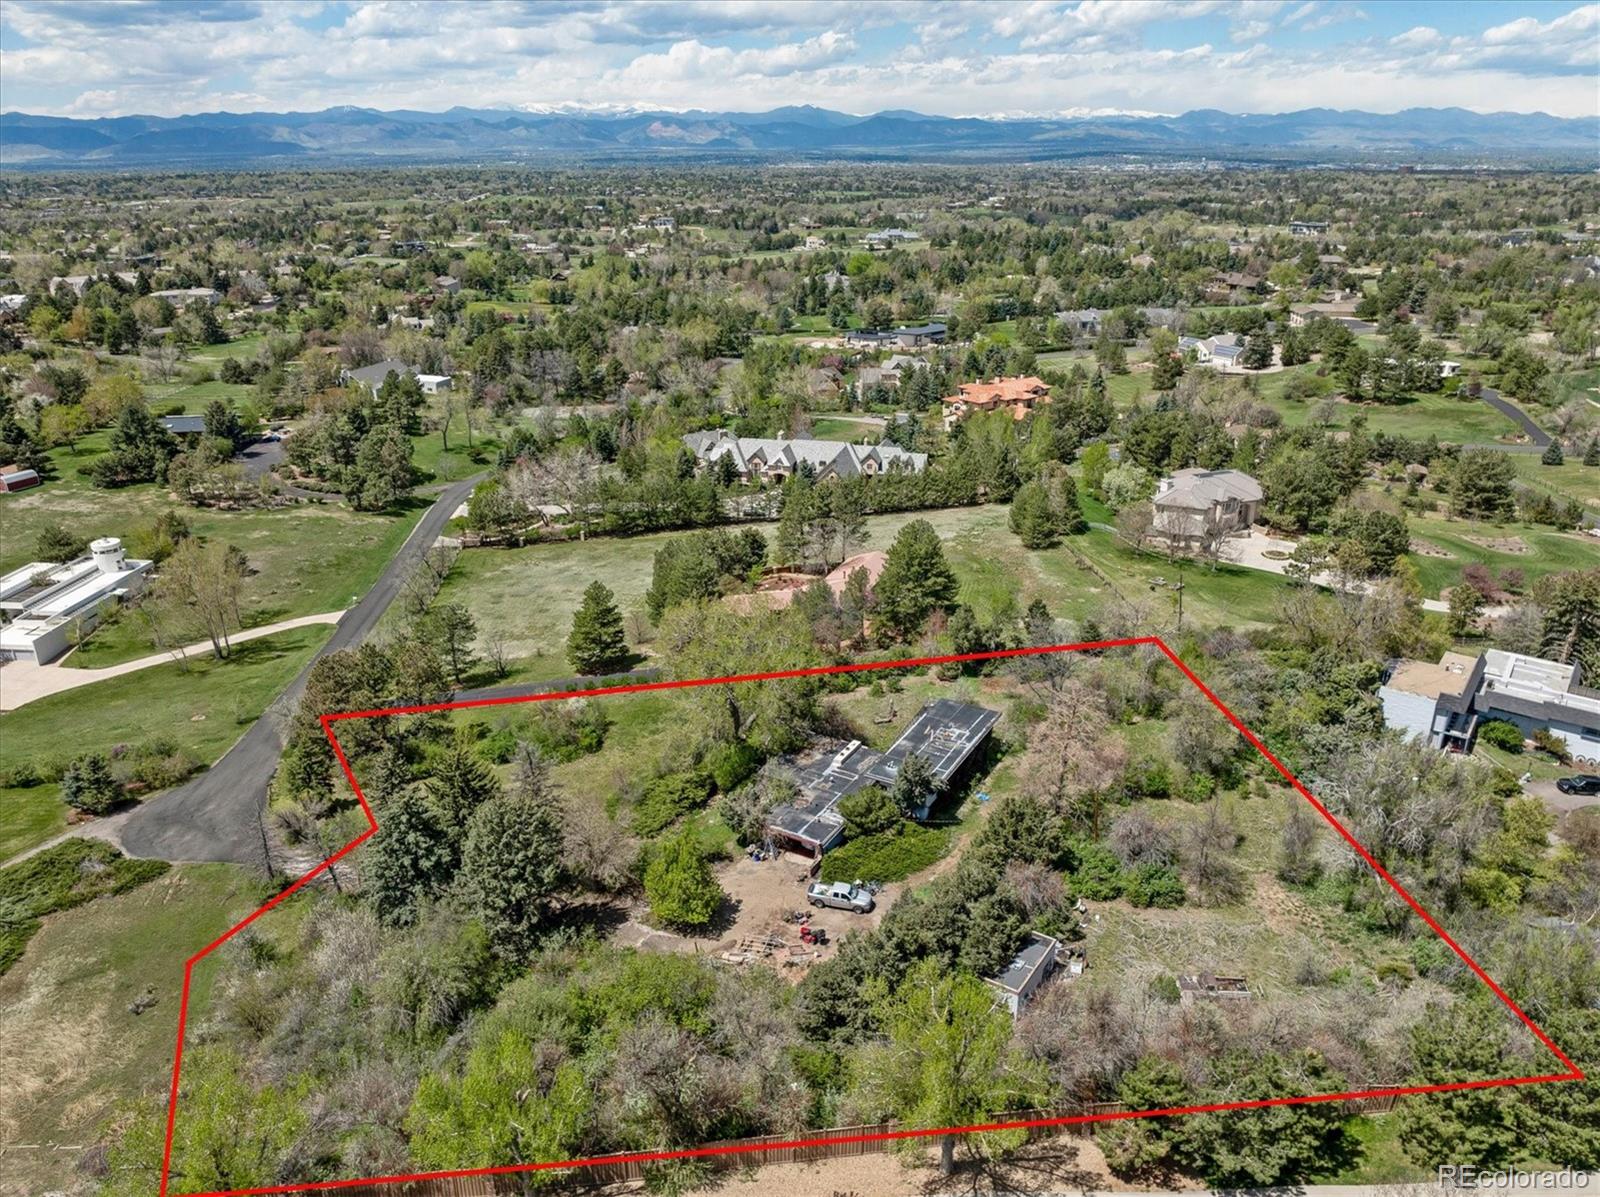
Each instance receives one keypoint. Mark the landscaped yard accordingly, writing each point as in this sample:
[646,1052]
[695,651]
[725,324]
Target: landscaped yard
[1545,550]
[201,711]
[1460,420]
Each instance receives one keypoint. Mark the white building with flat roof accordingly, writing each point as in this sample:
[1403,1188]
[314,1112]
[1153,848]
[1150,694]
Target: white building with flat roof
[46,605]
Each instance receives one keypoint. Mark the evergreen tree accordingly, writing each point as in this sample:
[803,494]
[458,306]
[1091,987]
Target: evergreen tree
[597,644]
[916,579]
[87,785]
[1552,455]
[513,867]
[1591,455]
[410,859]
[1257,352]
[1166,371]
[679,885]
[1032,518]
[461,783]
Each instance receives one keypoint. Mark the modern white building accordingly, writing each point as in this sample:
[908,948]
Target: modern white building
[46,605]
[1444,704]
[1028,970]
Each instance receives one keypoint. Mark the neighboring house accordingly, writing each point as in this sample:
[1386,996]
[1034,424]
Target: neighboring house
[184,425]
[14,478]
[76,283]
[372,377]
[824,382]
[435,384]
[1028,970]
[448,284]
[889,373]
[1192,506]
[1449,369]
[815,242]
[774,460]
[947,733]
[1307,228]
[884,238]
[1232,287]
[10,305]
[182,297]
[1085,322]
[1017,395]
[1444,704]
[909,337]
[665,224]
[1221,352]
[45,605]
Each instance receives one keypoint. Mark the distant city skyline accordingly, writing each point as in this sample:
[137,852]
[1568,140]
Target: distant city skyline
[947,57]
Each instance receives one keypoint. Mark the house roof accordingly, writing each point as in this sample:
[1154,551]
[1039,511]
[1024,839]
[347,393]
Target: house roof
[184,425]
[1030,958]
[1427,679]
[374,376]
[1203,489]
[845,459]
[1022,389]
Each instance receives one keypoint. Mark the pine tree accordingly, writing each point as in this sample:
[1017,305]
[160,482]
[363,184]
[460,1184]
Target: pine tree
[1032,518]
[513,866]
[410,860]
[461,783]
[916,579]
[1552,454]
[1591,455]
[597,643]
[87,785]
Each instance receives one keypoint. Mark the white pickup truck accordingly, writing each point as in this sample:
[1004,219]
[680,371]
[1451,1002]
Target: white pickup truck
[840,895]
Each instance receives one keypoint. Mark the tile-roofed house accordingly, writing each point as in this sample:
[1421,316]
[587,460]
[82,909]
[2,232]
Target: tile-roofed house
[946,733]
[1193,504]
[775,459]
[1018,395]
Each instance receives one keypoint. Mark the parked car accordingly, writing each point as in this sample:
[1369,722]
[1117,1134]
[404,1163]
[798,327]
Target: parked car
[840,895]
[1586,784]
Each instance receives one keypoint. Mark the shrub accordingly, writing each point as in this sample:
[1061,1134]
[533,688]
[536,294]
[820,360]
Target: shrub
[680,886]
[1165,989]
[1147,778]
[569,731]
[732,765]
[1154,885]
[1547,741]
[69,874]
[1098,875]
[87,785]
[668,798]
[888,856]
[1498,733]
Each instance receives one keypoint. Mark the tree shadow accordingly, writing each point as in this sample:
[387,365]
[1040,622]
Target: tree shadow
[1043,1164]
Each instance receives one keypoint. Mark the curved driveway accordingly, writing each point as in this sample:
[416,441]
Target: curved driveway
[219,815]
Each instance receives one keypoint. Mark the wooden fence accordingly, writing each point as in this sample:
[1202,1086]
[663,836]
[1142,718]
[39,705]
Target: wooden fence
[845,1142]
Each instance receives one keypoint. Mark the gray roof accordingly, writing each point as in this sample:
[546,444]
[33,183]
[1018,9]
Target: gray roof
[1204,489]
[184,425]
[845,459]
[372,377]
[1030,959]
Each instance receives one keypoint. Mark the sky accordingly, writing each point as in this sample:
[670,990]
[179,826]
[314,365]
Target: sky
[947,57]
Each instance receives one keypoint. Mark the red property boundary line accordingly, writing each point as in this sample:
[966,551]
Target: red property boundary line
[1573,1073]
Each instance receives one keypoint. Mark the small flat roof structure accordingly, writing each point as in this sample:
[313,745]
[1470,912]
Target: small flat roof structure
[1037,953]
[184,425]
[1426,679]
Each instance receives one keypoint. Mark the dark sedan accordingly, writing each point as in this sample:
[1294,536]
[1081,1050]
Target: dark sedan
[1586,784]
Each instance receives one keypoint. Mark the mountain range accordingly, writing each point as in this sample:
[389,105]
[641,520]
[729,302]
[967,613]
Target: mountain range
[562,135]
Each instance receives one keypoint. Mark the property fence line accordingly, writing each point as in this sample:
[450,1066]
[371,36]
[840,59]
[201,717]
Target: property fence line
[779,1149]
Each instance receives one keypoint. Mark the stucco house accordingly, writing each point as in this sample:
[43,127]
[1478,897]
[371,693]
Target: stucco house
[1192,505]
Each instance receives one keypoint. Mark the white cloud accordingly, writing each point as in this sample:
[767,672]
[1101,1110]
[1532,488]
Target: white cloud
[948,56]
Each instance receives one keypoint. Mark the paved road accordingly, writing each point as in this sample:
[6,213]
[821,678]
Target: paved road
[644,673]
[1538,436]
[217,816]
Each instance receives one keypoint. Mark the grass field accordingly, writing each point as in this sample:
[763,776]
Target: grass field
[1547,550]
[844,428]
[201,711]
[304,561]
[1569,480]
[1457,420]
[73,1049]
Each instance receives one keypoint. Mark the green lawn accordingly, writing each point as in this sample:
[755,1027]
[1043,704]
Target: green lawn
[1547,550]
[844,428]
[201,711]
[76,1050]
[245,346]
[195,398]
[1458,420]
[434,463]
[30,816]
[304,560]
[1569,480]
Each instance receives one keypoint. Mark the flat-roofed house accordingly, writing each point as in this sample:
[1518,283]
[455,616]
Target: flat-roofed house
[947,734]
[1029,969]
[45,605]
[1445,704]
[1194,505]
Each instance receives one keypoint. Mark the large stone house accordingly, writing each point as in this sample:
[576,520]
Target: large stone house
[1192,505]
[1017,395]
[775,459]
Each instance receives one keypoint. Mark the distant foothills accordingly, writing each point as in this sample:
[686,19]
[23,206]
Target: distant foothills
[1443,136]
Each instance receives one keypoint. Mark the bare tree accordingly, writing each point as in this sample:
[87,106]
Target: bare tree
[495,652]
[1208,857]
[1072,757]
[567,478]
[204,580]
[1136,523]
